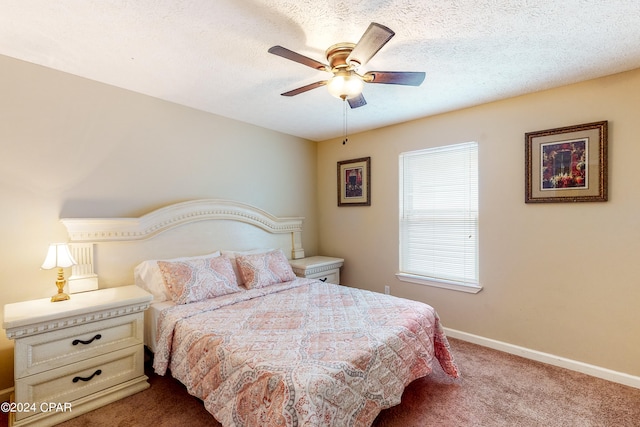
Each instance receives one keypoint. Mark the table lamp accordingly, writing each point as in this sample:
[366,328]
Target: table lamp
[59,256]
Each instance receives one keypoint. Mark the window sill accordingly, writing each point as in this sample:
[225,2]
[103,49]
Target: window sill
[421,280]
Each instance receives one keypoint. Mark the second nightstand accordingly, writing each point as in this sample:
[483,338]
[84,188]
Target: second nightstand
[323,268]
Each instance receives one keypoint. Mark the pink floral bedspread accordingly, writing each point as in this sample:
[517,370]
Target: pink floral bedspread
[300,353]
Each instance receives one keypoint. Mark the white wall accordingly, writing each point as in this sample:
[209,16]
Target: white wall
[558,278]
[71,147]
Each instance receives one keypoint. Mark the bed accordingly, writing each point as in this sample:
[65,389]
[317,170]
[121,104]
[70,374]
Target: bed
[256,344]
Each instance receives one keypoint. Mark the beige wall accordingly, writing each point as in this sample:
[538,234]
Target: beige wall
[561,279]
[74,148]
[558,278]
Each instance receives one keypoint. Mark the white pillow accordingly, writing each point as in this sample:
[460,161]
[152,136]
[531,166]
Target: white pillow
[232,255]
[148,276]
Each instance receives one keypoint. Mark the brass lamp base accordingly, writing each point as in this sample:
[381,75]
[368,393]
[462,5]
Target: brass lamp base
[60,296]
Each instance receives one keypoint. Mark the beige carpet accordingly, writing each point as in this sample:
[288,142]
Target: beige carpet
[497,389]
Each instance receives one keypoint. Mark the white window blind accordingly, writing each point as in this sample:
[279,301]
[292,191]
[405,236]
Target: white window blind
[439,214]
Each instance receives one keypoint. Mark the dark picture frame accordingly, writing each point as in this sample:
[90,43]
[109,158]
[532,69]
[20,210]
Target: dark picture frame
[567,164]
[354,182]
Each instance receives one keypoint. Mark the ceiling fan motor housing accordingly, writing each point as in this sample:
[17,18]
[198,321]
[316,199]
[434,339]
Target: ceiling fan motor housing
[337,56]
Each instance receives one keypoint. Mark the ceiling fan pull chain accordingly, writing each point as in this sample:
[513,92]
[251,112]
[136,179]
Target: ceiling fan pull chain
[344,118]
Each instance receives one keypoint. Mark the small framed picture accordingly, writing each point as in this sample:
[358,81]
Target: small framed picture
[354,182]
[566,164]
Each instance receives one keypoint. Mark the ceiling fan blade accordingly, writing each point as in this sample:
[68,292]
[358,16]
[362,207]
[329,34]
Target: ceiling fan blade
[294,56]
[370,43]
[357,101]
[408,78]
[306,88]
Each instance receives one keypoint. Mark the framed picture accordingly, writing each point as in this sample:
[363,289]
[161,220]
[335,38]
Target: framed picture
[566,164]
[354,182]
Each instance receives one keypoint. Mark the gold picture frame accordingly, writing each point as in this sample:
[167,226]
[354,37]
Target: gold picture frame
[354,182]
[567,164]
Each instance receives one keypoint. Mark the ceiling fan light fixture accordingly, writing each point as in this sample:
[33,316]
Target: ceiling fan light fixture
[345,86]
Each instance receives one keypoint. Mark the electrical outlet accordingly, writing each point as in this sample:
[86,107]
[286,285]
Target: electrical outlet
[387,290]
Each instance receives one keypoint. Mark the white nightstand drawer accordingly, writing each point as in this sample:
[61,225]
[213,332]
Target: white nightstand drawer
[68,383]
[329,277]
[38,353]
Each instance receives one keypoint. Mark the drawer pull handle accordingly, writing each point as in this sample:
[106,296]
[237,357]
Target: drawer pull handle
[76,379]
[324,280]
[76,342]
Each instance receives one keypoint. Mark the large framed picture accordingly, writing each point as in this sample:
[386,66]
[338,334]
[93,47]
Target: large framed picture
[566,164]
[354,182]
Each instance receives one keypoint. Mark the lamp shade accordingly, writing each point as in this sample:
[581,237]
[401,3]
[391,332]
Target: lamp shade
[58,256]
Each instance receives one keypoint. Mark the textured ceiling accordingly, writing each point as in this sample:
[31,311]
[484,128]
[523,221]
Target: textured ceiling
[212,55]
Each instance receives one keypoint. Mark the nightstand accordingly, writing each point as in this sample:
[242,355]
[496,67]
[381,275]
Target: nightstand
[81,354]
[323,268]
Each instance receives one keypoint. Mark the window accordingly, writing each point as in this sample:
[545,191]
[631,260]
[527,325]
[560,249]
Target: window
[439,217]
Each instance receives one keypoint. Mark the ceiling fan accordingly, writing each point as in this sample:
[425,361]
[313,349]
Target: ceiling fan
[344,60]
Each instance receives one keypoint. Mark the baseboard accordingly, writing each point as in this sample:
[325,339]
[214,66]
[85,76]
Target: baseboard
[5,395]
[573,365]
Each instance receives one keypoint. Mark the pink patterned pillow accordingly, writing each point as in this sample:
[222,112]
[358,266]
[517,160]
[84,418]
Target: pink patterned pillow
[264,269]
[198,279]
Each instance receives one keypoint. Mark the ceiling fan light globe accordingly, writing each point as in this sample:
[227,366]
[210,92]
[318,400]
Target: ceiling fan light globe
[345,86]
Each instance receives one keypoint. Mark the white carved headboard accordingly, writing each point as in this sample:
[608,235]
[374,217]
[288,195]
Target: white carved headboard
[182,229]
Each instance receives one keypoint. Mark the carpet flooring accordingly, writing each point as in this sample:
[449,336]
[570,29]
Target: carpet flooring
[496,389]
